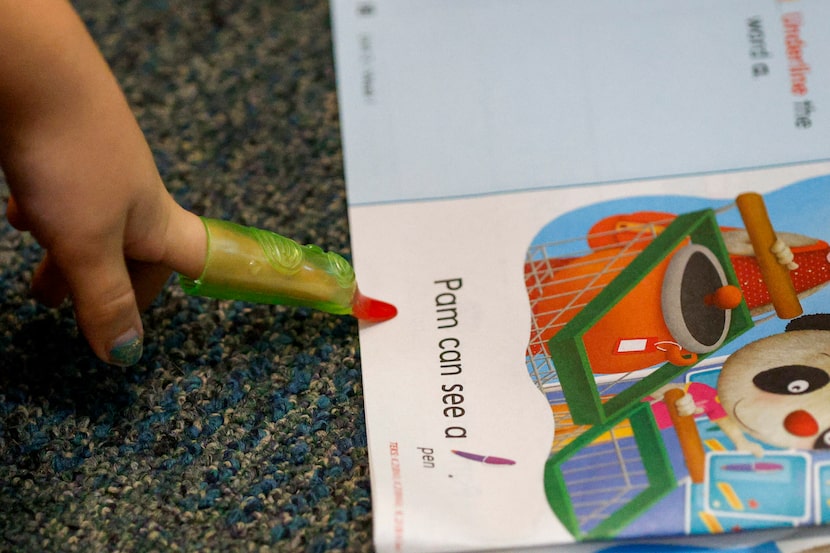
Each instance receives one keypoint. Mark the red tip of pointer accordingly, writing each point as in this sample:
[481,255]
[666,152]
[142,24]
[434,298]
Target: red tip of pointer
[372,310]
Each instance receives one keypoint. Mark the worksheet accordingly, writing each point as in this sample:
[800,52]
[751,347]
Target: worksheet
[605,228]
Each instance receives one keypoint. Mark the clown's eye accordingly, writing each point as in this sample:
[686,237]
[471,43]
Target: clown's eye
[823,441]
[798,386]
[791,379]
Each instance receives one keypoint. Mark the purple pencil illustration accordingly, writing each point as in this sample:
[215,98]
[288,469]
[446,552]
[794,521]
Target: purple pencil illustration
[758,466]
[489,459]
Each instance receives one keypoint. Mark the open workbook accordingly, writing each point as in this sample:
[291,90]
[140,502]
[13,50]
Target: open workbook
[605,226]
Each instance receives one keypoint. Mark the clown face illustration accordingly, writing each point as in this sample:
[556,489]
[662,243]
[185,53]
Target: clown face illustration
[777,389]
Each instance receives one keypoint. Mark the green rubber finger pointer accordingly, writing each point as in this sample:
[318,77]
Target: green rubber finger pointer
[259,266]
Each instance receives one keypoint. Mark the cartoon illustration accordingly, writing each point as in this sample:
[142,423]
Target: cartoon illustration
[806,259]
[692,400]
[620,344]
[668,325]
[776,389]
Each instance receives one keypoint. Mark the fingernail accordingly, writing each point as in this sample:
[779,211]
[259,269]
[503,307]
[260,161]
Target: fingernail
[126,349]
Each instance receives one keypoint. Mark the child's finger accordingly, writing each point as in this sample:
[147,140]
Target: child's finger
[14,216]
[49,286]
[186,243]
[105,304]
[147,279]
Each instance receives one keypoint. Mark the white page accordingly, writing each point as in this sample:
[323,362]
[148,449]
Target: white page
[471,129]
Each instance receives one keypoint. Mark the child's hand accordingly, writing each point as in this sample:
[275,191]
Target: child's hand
[83,180]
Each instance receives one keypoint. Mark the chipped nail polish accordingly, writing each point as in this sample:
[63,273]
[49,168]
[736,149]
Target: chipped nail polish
[126,349]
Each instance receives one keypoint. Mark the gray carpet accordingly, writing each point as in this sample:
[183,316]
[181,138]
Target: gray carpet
[241,428]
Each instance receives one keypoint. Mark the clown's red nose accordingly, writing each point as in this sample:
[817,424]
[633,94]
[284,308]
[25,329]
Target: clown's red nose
[801,423]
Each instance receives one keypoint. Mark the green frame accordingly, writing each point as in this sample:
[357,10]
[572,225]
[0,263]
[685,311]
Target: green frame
[653,455]
[567,349]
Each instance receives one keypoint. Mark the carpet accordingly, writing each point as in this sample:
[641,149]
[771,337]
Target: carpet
[242,427]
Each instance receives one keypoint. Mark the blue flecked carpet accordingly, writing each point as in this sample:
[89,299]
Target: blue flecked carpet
[241,429]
